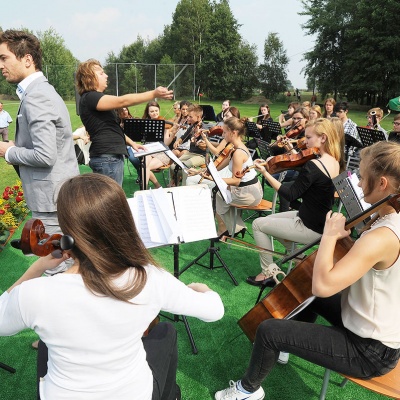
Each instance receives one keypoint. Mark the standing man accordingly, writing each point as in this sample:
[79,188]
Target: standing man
[5,121]
[43,149]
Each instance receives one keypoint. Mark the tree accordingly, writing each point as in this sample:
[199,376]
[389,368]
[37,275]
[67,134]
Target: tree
[355,50]
[59,64]
[273,73]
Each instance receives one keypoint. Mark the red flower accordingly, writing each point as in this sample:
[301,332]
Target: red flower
[20,193]
[16,187]
[6,206]
[6,196]
[2,212]
[18,199]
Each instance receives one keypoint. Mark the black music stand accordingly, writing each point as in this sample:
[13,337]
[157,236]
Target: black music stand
[271,130]
[208,113]
[370,136]
[144,131]
[252,130]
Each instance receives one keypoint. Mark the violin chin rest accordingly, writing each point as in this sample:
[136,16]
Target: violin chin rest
[16,243]
[67,242]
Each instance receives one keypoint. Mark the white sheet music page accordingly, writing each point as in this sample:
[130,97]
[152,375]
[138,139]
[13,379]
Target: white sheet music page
[147,222]
[353,179]
[221,184]
[194,213]
[165,204]
[151,148]
[176,160]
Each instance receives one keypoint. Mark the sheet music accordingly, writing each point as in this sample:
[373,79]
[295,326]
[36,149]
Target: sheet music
[171,216]
[195,214]
[353,179]
[221,184]
[151,148]
[176,160]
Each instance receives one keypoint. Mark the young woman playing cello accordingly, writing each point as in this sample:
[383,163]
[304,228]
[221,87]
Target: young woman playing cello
[314,185]
[358,295]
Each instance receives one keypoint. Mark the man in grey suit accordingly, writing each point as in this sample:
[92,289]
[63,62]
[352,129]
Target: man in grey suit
[43,151]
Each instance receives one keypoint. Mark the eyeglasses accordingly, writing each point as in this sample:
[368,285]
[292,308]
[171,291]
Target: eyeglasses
[396,123]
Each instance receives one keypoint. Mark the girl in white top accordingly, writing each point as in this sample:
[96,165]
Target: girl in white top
[92,318]
[358,294]
[245,190]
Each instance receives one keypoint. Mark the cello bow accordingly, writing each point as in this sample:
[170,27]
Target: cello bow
[295,290]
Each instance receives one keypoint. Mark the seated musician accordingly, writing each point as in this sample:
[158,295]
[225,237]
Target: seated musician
[179,128]
[285,119]
[394,135]
[245,190]
[315,112]
[221,115]
[194,176]
[92,317]
[299,119]
[314,186]
[195,157]
[374,117]
[358,294]
[157,160]
[264,115]
[352,138]
[329,105]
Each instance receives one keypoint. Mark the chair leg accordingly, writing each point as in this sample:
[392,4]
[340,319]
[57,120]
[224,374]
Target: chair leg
[325,384]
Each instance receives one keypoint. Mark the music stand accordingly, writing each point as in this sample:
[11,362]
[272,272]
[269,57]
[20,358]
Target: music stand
[208,113]
[370,136]
[252,130]
[144,131]
[212,249]
[272,130]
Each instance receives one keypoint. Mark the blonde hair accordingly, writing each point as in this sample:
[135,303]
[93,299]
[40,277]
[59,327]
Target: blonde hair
[317,109]
[323,126]
[338,124]
[236,124]
[383,159]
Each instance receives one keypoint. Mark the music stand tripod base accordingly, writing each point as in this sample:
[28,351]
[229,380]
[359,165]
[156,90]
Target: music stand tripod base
[213,251]
[7,368]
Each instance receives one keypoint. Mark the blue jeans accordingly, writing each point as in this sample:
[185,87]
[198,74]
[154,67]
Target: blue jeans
[134,160]
[111,165]
[333,347]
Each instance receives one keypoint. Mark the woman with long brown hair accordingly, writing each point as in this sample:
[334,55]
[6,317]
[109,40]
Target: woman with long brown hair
[92,318]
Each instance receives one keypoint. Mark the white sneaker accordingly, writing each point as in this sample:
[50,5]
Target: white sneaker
[283,357]
[234,393]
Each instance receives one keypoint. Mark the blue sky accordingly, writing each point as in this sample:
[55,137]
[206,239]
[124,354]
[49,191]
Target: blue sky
[92,28]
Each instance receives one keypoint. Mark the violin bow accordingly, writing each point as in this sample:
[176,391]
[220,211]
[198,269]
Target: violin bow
[392,200]
[252,247]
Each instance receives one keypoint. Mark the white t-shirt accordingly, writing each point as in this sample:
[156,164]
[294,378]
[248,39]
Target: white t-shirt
[94,342]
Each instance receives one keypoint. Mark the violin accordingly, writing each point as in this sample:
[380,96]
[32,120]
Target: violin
[294,132]
[168,124]
[285,161]
[223,155]
[295,290]
[34,240]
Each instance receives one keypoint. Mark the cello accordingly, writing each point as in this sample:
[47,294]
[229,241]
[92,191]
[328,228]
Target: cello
[294,292]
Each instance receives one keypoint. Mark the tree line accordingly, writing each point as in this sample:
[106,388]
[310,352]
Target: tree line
[354,55]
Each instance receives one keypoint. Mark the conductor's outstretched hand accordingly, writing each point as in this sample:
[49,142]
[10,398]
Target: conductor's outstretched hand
[164,93]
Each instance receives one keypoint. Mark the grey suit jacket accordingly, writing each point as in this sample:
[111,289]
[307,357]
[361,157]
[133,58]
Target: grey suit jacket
[44,148]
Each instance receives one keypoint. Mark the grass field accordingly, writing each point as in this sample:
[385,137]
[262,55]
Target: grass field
[223,352]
